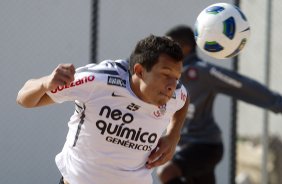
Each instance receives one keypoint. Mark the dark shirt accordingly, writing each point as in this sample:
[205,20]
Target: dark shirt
[204,81]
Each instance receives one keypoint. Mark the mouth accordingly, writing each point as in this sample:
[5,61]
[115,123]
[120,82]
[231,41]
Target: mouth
[166,95]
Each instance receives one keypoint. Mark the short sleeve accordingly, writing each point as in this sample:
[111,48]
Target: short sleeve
[80,89]
[181,96]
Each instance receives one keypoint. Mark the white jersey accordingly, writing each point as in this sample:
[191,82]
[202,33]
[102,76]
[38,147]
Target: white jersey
[112,132]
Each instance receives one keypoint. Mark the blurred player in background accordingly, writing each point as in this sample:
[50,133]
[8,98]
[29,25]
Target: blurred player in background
[201,146]
[121,110]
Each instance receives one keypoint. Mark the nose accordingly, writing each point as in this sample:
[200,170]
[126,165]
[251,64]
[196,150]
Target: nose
[171,85]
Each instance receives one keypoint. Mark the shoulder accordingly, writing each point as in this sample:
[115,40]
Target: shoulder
[111,72]
[107,67]
[104,69]
[181,92]
[204,65]
[202,68]
[179,97]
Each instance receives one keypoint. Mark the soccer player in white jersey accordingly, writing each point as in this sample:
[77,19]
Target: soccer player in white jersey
[122,108]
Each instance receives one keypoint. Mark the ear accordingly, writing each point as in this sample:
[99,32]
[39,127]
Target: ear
[138,70]
[186,49]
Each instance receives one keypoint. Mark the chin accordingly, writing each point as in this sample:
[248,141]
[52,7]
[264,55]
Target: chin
[162,102]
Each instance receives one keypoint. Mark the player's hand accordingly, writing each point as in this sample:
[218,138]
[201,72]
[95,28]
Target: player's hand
[62,75]
[163,152]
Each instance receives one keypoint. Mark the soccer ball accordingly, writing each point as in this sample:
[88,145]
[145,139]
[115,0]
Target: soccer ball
[221,30]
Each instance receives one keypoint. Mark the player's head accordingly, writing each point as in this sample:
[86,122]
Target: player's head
[185,37]
[155,65]
[148,50]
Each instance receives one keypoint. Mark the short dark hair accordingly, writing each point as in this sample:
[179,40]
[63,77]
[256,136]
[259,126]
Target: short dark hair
[148,50]
[184,35]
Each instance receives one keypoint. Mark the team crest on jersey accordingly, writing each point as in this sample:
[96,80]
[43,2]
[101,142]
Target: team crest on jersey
[192,73]
[116,81]
[160,112]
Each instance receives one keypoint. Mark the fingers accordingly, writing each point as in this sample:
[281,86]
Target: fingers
[157,162]
[157,152]
[158,157]
[64,74]
[68,68]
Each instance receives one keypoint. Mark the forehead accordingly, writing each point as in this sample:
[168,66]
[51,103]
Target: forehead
[167,62]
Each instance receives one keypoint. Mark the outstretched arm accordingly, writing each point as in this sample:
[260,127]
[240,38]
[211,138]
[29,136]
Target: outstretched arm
[33,93]
[245,89]
[167,144]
